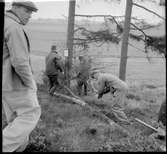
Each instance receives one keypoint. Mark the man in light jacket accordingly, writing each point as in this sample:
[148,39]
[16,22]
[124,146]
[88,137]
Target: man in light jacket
[118,89]
[19,90]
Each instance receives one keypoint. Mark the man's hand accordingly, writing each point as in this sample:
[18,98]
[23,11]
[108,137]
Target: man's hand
[100,95]
[112,89]
[96,95]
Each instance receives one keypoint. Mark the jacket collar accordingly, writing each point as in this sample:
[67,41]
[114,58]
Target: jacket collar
[13,16]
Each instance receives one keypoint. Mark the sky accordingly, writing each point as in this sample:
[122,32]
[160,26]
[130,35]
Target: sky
[59,9]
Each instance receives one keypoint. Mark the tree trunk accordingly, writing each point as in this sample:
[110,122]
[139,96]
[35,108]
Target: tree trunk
[124,48]
[70,35]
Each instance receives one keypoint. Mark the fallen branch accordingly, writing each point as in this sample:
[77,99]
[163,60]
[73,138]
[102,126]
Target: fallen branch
[70,91]
[90,109]
[83,103]
[73,99]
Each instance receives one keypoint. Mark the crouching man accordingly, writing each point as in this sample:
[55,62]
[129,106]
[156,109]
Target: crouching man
[54,69]
[109,83]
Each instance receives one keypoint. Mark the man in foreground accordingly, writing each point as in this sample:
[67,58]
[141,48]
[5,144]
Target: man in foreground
[19,91]
[118,89]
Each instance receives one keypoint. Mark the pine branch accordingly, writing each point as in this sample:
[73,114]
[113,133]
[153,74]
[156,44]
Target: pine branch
[104,36]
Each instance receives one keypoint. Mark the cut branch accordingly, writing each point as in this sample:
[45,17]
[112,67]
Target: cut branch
[73,99]
[91,16]
[100,15]
[139,29]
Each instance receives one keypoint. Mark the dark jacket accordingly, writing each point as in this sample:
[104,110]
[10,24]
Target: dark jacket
[54,64]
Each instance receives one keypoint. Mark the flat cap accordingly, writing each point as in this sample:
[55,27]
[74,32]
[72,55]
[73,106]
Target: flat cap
[27,4]
[53,47]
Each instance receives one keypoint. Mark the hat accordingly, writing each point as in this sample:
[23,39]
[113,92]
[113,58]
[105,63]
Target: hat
[27,4]
[53,47]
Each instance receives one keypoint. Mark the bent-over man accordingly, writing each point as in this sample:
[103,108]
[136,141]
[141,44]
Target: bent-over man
[118,89]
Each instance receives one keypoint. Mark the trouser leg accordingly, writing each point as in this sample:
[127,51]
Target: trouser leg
[79,86]
[50,82]
[9,113]
[118,105]
[55,83]
[23,146]
[85,88]
[28,112]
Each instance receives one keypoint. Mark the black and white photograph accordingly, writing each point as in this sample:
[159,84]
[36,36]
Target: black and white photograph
[83,75]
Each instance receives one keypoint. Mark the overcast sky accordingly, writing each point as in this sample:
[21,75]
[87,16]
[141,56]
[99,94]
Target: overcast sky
[59,9]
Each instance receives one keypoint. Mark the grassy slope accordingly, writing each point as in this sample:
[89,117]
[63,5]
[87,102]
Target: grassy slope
[65,126]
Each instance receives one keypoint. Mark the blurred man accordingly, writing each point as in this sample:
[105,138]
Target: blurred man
[83,74]
[118,89]
[19,89]
[54,69]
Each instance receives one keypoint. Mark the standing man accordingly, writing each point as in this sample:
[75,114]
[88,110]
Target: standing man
[19,91]
[54,69]
[109,83]
[83,71]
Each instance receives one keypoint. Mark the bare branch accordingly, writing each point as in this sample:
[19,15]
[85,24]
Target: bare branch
[91,16]
[149,10]
[100,15]
[136,47]
[139,29]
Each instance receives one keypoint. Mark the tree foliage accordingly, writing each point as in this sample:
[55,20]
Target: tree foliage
[154,43]
[157,44]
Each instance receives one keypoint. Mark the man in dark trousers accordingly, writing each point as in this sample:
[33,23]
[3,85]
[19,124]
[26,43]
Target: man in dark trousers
[83,74]
[54,69]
